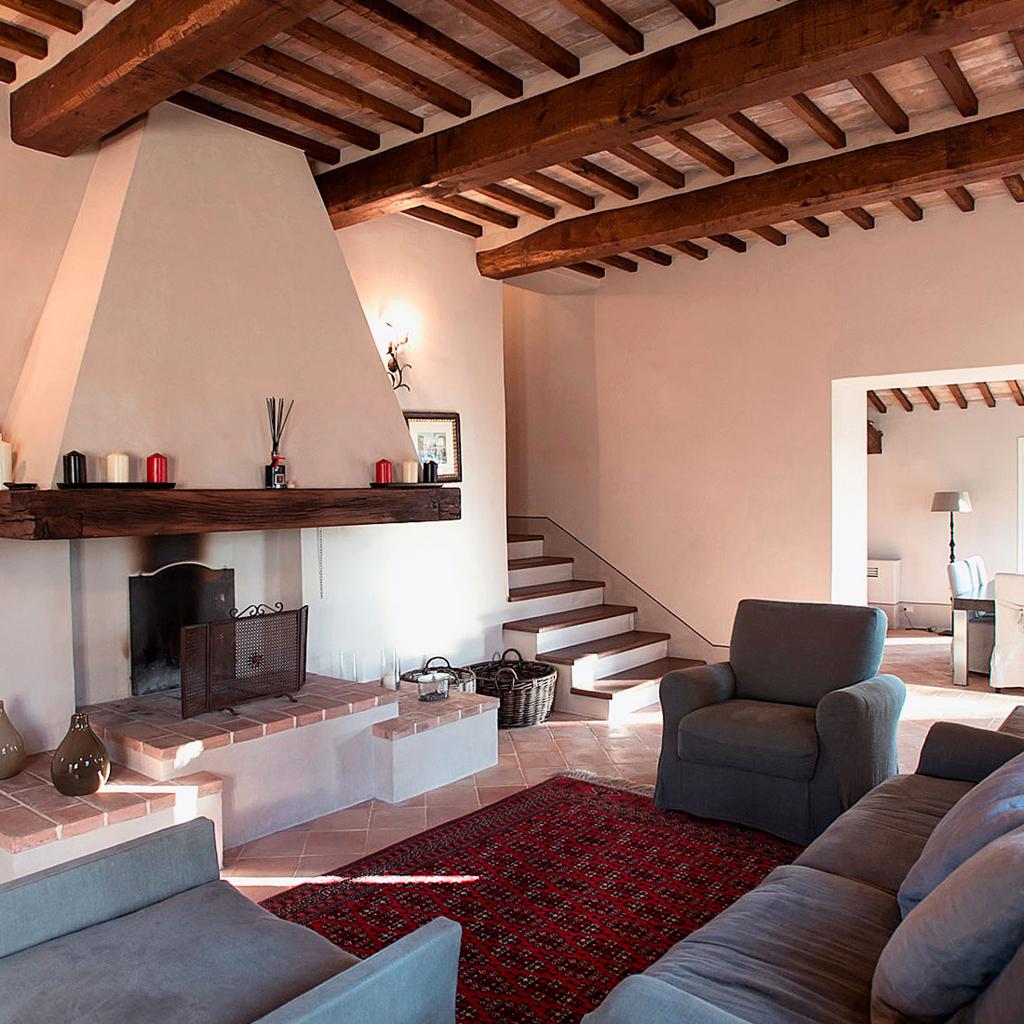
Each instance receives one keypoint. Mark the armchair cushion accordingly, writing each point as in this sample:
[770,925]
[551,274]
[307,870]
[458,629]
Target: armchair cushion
[753,736]
[795,653]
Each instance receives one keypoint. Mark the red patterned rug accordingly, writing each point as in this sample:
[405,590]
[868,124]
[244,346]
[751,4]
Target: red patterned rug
[562,890]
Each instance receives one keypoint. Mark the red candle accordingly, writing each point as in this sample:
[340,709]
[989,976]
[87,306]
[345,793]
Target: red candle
[156,468]
[383,475]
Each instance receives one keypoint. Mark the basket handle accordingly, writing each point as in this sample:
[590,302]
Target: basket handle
[505,655]
[437,657]
[501,684]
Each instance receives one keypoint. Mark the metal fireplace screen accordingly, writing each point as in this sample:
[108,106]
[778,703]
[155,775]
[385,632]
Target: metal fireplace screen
[253,655]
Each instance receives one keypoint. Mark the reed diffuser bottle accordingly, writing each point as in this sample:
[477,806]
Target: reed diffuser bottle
[275,474]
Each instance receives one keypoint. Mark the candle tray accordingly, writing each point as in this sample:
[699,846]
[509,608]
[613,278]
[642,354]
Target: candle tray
[136,485]
[397,485]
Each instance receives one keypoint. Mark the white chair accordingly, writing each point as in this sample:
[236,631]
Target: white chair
[980,628]
[1008,656]
[979,574]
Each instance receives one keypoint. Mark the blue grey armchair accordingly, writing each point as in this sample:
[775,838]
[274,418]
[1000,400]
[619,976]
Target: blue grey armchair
[792,730]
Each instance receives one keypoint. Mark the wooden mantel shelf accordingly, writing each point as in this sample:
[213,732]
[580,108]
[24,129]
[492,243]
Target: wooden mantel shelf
[76,515]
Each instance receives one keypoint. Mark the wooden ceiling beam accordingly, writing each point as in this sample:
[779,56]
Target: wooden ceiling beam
[950,158]
[689,144]
[8,70]
[877,402]
[728,241]
[600,16]
[24,41]
[557,190]
[317,35]
[771,234]
[281,105]
[644,161]
[142,56]
[520,34]
[428,39]
[309,77]
[587,269]
[603,178]
[958,395]
[954,81]
[445,220]
[963,199]
[804,108]
[910,208]
[986,394]
[881,102]
[1015,391]
[621,263]
[818,228]
[792,49]
[480,210]
[313,148]
[860,217]
[900,395]
[701,13]
[874,439]
[1017,38]
[49,12]
[755,137]
[691,249]
[1015,186]
[662,259]
[929,396]
[517,200]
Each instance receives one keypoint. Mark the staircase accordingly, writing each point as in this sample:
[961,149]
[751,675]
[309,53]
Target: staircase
[607,668]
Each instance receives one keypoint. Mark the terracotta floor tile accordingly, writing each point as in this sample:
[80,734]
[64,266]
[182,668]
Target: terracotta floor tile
[261,893]
[350,818]
[452,796]
[279,844]
[541,759]
[335,844]
[489,794]
[379,838]
[398,817]
[262,867]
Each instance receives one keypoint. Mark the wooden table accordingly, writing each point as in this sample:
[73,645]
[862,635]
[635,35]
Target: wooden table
[981,599]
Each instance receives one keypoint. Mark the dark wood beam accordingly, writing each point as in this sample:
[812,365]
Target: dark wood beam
[727,241]
[23,40]
[1015,186]
[621,263]
[816,119]
[313,33]
[900,395]
[144,55]
[332,88]
[962,198]
[953,80]
[8,70]
[929,396]
[950,158]
[1015,391]
[1017,38]
[662,259]
[792,49]
[49,12]
[691,249]
[600,16]
[521,35]
[701,12]
[881,102]
[445,220]
[958,395]
[264,98]
[986,393]
[877,402]
[770,234]
[860,217]
[518,201]
[605,179]
[689,144]
[314,148]
[558,190]
[909,208]
[428,39]
[874,439]
[587,269]
[756,137]
[481,211]
[644,161]
[818,228]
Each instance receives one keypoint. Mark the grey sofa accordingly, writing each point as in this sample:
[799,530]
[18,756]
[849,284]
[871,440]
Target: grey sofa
[792,730]
[803,946]
[146,932]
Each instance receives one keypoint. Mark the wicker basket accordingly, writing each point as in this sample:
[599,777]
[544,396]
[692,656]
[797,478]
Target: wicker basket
[463,679]
[526,689]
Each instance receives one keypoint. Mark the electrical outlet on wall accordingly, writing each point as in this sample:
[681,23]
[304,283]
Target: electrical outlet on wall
[909,609]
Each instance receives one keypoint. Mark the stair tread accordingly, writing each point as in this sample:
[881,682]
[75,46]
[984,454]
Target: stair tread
[572,617]
[553,589]
[605,646]
[642,675]
[537,563]
[522,538]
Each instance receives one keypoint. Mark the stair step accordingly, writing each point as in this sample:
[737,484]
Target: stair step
[574,617]
[537,563]
[553,589]
[522,538]
[642,675]
[605,646]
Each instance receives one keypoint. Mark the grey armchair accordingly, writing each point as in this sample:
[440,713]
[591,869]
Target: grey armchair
[792,730]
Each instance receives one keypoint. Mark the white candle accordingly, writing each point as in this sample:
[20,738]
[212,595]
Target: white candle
[6,462]
[117,468]
[409,471]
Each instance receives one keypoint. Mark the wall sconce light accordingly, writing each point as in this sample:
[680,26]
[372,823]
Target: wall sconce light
[397,340]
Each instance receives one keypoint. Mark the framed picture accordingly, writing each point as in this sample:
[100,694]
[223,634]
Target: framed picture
[436,436]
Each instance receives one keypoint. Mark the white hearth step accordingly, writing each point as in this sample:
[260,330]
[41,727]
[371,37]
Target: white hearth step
[539,634]
[524,572]
[635,687]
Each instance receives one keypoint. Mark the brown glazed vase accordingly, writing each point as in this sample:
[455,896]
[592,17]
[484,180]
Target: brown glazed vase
[80,764]
[12,747]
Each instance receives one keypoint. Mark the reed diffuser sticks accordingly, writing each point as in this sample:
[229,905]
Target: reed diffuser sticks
[275,473]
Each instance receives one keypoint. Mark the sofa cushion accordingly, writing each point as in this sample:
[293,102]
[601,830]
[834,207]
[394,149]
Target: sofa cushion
[956,941]
[779,956]
[206,956]
[752,735]
[879,838]
[992,808]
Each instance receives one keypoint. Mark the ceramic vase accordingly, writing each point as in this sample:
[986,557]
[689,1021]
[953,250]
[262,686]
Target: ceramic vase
[12,747]
[80,764]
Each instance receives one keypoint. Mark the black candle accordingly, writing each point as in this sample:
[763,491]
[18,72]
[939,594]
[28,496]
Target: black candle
[74,468]
[430,472]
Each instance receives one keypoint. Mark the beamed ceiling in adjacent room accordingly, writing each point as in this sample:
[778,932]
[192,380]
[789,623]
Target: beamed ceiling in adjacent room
[566,133]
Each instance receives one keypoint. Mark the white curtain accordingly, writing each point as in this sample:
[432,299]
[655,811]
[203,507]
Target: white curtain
[1008,656]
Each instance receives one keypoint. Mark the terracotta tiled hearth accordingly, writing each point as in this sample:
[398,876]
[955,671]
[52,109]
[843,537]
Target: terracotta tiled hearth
[33,813]
[416,716]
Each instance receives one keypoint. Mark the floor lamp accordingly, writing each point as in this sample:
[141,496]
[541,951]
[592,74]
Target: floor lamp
[951,502]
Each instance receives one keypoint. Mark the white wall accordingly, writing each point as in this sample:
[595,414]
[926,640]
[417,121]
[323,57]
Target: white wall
[693,426]
[972,450]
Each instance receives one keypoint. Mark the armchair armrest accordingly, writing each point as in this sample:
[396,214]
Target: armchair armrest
[642,999]
[687,690]
[966,754]
[857,733]
[412,981]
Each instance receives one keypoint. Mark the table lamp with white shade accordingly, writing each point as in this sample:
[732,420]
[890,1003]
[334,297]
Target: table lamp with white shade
[951,502]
